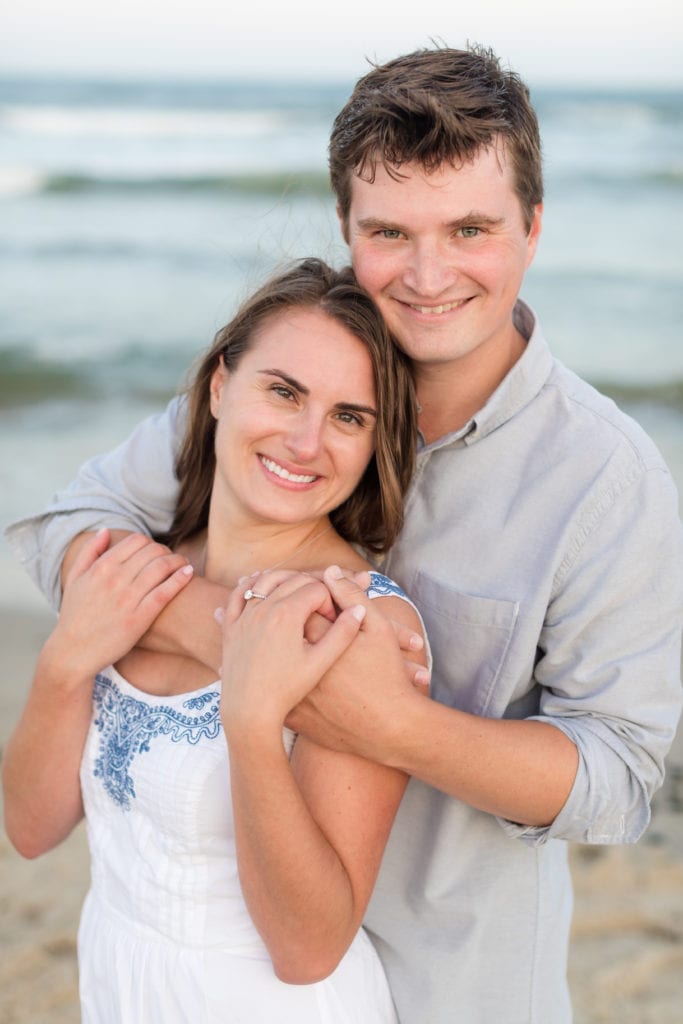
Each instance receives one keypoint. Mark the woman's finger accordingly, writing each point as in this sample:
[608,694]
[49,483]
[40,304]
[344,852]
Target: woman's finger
[90,551]
[281,585]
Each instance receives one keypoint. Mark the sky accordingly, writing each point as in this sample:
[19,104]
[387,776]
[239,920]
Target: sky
[590,42]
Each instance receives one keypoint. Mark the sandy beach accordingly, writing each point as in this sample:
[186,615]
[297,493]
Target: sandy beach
[627,952]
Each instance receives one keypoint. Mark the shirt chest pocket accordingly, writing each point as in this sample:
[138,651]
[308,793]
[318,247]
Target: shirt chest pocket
[470,637]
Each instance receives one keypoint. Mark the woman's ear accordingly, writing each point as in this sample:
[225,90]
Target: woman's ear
[218,379]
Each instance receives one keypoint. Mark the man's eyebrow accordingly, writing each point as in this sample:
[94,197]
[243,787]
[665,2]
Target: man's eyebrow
[296,385]
[377,224]
[473,218]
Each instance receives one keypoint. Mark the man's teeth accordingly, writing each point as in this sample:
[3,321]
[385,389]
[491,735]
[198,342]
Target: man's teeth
[438,309]
[297,478]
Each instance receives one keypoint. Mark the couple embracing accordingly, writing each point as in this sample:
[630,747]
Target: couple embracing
[257,789]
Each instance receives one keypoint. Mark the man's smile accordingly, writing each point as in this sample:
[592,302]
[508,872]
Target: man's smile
[446,307]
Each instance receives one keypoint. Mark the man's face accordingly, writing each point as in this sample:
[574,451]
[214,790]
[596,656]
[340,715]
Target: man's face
[443,255]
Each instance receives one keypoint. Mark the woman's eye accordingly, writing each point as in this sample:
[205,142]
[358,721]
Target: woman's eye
[283,391]
[352,418]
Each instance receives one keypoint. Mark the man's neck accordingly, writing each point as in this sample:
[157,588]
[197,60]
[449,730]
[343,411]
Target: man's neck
[449,395]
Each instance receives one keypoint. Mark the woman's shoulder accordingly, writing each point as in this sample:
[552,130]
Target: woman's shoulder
[383,586]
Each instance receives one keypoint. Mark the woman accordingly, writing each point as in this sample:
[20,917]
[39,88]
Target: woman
[231,865]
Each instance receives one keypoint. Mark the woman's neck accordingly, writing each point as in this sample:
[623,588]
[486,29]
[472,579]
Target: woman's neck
[230,553]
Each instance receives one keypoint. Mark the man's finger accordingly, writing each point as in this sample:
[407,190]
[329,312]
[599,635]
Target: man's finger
[418,675]
[408,639]
[348,589]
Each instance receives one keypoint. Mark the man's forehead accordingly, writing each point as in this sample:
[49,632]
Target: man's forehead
[377,163]
[489,169]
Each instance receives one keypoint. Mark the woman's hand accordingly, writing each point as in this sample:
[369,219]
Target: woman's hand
[410,641]
[268,664]
[111,597]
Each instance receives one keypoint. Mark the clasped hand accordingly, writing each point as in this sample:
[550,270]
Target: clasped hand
[270,661]
[277,650]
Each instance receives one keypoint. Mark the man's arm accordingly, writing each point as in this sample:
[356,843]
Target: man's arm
[130,489]
[585,768]
[520,770]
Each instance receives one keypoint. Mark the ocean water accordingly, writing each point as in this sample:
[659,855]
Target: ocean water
[135,216]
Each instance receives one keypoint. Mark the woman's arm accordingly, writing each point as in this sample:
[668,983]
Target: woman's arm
[110,599]
[310,832]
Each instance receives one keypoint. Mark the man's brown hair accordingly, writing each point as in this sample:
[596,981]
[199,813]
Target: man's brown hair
[431,107]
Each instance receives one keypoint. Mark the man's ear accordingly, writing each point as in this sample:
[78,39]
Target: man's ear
[218,379]
[534,234]
[343,225]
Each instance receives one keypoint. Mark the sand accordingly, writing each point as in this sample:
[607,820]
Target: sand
[626,964]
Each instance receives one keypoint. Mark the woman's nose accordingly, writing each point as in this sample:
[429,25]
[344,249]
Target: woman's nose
[304,438]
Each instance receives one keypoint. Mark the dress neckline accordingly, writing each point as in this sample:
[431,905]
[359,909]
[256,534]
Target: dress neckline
[157,698]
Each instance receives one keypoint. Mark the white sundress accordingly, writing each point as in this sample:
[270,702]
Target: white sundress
[165,935]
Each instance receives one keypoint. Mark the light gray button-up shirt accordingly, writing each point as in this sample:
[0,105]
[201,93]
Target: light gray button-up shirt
[543,547]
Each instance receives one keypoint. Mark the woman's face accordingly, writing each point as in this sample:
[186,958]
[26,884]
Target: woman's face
[295,420]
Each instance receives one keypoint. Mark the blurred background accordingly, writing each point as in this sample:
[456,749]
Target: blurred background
[157,160]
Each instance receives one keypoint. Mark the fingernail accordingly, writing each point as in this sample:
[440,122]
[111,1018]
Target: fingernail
[358,612]
[219,616]
[416,643]
[334,572]
[187,570]
[422,677]
[243,579]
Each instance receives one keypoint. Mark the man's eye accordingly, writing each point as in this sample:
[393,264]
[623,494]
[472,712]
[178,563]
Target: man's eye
[283,391]
[390,233]
[469,232]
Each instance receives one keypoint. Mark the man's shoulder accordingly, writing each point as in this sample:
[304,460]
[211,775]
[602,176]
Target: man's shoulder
[592,418]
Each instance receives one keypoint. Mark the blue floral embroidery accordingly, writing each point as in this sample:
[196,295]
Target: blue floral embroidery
[197,703]
[382,586]
[128,725]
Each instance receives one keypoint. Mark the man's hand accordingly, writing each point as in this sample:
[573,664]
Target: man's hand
[364,697]
[410,642]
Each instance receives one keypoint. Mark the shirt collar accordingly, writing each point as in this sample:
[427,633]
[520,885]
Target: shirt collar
[516,390]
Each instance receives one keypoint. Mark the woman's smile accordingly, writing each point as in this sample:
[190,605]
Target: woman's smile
[295,419]
[278,469]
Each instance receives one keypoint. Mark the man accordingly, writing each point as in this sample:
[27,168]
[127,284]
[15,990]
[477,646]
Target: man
[542,544]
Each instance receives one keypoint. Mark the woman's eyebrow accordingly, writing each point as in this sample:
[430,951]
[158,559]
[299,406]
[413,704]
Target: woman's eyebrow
[354,407]
[290,381]
[296,385]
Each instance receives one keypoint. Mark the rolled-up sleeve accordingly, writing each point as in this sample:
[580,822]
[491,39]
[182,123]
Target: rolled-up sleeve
[134,487]
[610,660]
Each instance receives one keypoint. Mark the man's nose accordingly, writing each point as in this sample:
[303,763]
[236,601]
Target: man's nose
[429,272]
